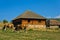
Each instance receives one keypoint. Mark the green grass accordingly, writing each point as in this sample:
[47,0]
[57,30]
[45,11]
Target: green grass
[29,35]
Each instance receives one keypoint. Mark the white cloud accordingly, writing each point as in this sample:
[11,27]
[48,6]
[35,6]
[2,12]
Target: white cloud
[53,17]
[57,16]
[49,17]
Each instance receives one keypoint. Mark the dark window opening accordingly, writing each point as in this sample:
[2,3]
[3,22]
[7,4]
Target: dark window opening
[28,20]
[39,20]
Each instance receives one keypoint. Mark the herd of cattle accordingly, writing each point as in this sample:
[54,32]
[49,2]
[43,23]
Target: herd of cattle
[16,28]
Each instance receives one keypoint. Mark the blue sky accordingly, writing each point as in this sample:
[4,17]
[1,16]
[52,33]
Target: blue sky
[9,9]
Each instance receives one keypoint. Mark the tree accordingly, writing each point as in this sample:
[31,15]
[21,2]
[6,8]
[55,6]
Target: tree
[5,21]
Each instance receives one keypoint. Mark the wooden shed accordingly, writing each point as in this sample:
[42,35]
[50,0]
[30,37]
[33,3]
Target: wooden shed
[53,23]
[31,19]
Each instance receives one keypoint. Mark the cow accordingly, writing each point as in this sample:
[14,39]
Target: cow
[7,25]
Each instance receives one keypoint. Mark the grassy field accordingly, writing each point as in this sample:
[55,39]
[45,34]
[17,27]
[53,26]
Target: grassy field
[29,35]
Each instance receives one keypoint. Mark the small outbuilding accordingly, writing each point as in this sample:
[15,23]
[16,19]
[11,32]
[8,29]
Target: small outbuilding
[53,23]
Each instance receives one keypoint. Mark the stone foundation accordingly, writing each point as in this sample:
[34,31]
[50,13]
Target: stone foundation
[54,26]
[36,27]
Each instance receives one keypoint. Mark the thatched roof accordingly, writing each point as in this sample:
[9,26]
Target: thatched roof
[54,22]
[29,14]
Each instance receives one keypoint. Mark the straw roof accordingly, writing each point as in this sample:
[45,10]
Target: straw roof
[54,22]
[29,14]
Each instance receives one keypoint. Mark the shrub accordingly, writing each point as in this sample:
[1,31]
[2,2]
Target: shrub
[5,21]
[30,30]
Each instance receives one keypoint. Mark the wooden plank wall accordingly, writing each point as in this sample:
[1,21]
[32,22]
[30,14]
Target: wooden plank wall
[34,22]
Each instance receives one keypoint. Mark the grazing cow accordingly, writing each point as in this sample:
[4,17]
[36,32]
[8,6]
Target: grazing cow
[16,28]
[8,26]
[20,27]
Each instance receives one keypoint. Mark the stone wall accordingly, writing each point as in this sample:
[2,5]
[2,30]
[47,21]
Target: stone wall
[54,26]
[36,27]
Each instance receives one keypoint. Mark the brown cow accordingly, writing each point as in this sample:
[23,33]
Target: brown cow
[7,25]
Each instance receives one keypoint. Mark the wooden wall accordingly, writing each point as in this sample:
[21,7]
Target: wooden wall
[30,23]
[24,22]
[34,22]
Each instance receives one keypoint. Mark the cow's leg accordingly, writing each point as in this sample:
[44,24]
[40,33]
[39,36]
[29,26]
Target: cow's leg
[4,28]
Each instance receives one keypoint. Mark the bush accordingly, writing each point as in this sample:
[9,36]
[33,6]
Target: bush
[5,21]
[30,30]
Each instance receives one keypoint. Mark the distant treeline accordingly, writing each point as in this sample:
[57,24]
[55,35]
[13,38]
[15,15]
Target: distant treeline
[5,21]
[58,19]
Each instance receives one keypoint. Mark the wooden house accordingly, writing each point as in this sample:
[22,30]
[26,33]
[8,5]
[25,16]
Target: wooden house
[30,19]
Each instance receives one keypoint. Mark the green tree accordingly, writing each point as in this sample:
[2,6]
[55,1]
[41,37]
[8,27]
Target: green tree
[5,21]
